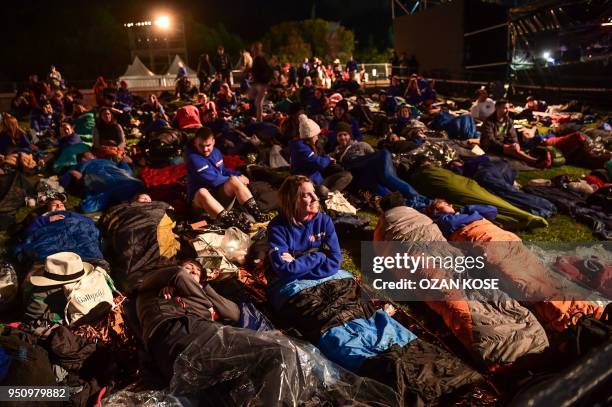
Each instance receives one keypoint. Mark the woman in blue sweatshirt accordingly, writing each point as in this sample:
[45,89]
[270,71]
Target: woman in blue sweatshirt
[303,241]
[319,168]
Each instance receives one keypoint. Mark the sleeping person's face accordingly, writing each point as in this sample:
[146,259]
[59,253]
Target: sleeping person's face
[308,202]
[442,206]
[143,198]
[56,205]
[194,269]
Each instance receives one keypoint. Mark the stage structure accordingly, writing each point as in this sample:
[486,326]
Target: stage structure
[553,44]
[454,39]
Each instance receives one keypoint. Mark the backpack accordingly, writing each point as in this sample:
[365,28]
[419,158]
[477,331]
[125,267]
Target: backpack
[590,332]
[162,146]
[95,288]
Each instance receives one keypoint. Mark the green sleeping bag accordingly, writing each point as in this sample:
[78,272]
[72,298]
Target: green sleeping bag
[436,182]
[68,157]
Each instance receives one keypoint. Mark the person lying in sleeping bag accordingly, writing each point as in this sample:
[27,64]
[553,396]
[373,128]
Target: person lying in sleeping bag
[59,230]
[175,305]
[521,269]
[497,332]
[498,177]
[471,219]
[324,303]
[102,181]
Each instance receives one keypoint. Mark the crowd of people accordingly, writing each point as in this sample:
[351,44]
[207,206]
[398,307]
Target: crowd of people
[154,172]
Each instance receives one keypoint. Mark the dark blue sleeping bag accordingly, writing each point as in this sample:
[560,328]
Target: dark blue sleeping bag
[498,177]
[75,233]
[105,184]
[458,127]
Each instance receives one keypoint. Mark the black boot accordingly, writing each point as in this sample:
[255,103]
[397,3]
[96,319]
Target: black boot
[253,209]
[226,219]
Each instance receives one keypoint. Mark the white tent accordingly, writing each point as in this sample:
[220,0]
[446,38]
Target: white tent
[137,69]
[176,64]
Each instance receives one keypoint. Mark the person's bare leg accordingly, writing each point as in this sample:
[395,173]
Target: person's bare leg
[234,187]
[259,99]
[204,200]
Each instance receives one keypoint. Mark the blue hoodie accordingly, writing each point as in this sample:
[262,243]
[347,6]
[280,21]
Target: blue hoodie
[304,161]
[285,237]
[205,172]
[40,121]
[451,222]
[68,141]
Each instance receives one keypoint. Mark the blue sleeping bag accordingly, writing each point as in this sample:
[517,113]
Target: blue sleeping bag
[75,233]
[352,343]
[105,184]
[458,127]
[498,177]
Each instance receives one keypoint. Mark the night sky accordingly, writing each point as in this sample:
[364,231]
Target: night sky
[85,39]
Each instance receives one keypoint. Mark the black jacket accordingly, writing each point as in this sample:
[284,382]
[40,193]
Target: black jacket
[262,72]
[153,310]
[495,134]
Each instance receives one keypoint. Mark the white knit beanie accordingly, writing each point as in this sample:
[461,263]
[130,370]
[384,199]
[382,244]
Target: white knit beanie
[308,128]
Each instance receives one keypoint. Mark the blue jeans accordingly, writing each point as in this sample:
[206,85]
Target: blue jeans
[376,173]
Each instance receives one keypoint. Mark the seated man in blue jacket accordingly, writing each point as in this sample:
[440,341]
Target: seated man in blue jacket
[209,182]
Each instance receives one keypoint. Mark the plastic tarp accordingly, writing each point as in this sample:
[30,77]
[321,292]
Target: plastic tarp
[228,366]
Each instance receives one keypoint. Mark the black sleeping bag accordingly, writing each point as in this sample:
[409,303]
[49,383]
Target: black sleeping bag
[137,237]
[316,309]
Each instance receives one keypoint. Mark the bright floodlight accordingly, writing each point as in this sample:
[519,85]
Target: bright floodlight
[546,55]
[163,22]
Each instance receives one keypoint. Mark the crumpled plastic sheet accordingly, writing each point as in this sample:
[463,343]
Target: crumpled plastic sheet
[8,284]
[438,153]
[237,367]
[152,398]
[599,141]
